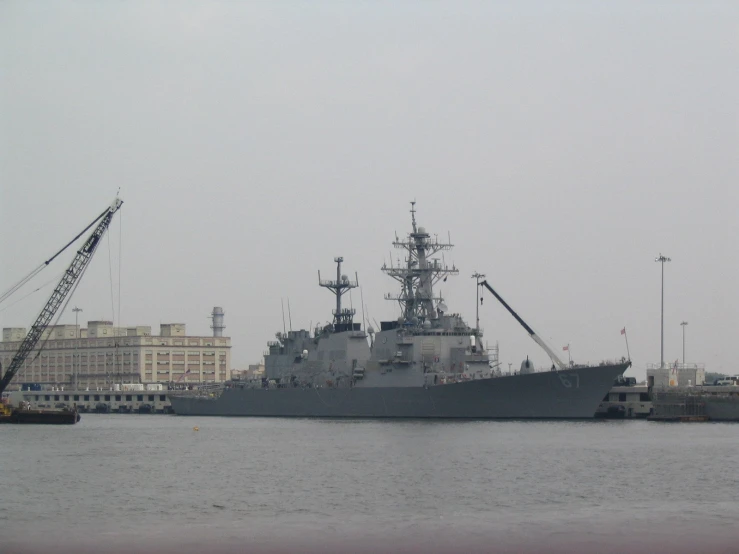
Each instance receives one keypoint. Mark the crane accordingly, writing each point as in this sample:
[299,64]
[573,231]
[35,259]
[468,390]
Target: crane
[62,290]
[555,359]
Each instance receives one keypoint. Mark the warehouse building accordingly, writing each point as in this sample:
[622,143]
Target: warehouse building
[101,354]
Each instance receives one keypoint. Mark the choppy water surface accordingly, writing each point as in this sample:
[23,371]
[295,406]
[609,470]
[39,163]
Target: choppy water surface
[152,484]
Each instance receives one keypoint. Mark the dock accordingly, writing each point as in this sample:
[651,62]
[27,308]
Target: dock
[100,401]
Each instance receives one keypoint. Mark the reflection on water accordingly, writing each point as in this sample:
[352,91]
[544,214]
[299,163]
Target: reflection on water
[151,483]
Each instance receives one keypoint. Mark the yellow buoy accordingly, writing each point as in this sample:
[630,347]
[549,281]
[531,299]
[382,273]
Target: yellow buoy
[196,428]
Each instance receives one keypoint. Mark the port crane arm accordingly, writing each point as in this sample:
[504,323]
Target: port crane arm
[62,290]
[555,359]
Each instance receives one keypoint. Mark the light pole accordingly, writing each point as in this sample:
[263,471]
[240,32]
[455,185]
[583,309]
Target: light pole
[662,259]
[683,324]
[76,311]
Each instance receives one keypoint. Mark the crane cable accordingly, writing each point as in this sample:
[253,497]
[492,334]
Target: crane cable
[20,283]
[64,306]
[33,273]
[46,284]
[120,257]
[110,274]
[116,354]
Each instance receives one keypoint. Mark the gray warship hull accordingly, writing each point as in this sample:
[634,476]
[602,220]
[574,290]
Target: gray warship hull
[569,394]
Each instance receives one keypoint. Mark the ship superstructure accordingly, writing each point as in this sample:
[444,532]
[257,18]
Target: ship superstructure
[330,355]
[427,345]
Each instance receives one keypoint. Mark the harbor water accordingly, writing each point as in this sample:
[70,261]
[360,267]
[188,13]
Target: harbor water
[140,483]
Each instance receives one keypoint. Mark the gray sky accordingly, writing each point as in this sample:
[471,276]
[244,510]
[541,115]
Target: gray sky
[563,145]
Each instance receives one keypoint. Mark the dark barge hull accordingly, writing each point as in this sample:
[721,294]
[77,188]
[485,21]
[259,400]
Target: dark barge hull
[43,417]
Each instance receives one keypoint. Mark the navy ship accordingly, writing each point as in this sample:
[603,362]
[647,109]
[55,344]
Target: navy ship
[428,363]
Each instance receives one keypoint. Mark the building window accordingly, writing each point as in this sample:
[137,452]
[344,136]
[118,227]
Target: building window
[162,397]
[47,397]
[76,397]
[128,398]
[56,397]
[644,396]
[622,397]
[117,397]
[151,398]
[107,398]
[97,397]
[87,398]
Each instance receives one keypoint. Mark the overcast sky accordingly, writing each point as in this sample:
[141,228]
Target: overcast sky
[563,145]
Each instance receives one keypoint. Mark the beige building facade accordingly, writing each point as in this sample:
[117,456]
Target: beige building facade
[255,371]
[101,355]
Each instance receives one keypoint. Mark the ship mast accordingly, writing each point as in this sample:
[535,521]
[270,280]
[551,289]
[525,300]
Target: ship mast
[342,316]
[420,274]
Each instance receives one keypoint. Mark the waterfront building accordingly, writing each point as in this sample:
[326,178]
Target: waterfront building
[101,354]
[675,375]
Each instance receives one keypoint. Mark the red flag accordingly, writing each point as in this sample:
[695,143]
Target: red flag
[623,331]
[566,348]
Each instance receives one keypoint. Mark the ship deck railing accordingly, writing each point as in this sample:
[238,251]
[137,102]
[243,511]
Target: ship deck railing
[203,390]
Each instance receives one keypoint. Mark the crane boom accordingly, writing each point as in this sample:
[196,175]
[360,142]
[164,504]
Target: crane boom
[555,359]
[62,290]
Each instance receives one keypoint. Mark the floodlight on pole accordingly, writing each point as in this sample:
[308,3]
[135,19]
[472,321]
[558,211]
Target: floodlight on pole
[662,259]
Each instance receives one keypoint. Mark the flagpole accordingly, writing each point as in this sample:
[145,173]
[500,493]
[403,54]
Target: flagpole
[567,348]
[627,344]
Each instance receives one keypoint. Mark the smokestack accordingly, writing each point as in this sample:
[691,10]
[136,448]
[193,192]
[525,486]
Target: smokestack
[217,317]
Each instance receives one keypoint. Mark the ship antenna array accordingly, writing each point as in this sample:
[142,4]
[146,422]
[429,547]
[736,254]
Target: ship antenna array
[342,285]
[419,274]
[364,321]
[282,304]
